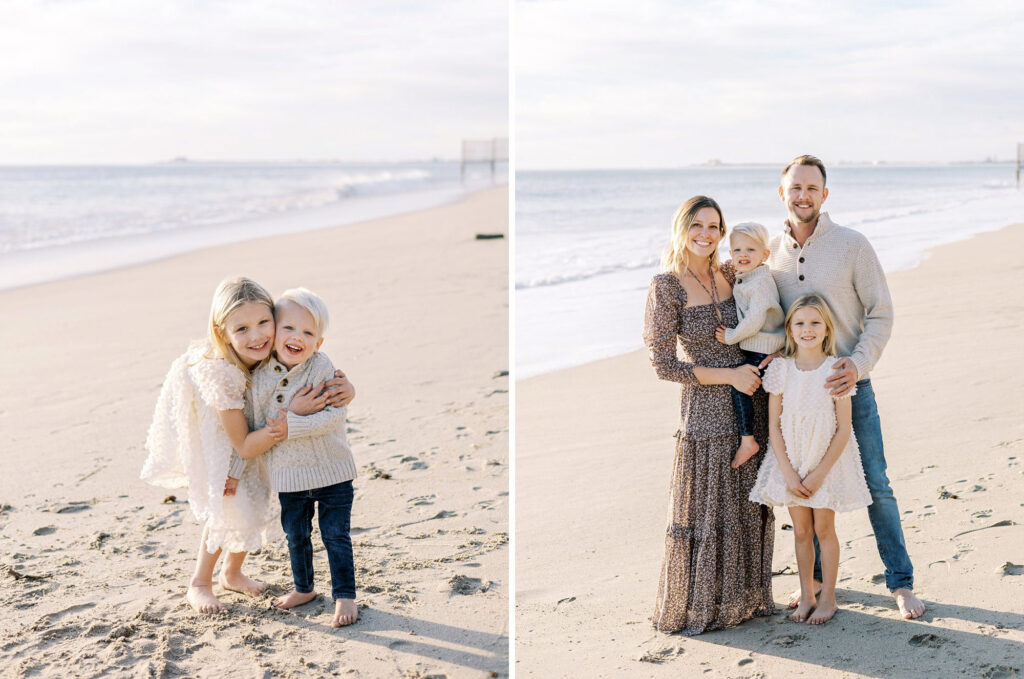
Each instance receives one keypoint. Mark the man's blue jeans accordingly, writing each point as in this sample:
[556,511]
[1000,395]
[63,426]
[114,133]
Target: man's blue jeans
[335,515]
[883,511]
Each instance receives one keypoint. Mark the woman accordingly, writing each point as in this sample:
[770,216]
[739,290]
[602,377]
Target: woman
[718,547]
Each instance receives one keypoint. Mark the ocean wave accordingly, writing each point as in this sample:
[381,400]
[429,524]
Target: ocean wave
[559,279]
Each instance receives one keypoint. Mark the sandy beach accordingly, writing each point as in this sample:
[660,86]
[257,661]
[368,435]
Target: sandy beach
[94,562]
[594,452]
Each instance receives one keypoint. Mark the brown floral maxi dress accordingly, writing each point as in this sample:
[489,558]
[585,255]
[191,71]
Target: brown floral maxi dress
[718,546]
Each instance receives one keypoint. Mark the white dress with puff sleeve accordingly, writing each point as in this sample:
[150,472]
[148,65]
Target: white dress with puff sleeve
[188,446]
[808,425]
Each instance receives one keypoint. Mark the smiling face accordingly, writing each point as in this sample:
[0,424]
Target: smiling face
[747,254]
[297,334]
[803,191]
[249,330]
[704,233]
[808,328]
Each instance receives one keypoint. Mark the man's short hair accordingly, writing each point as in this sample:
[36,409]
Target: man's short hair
[808,159]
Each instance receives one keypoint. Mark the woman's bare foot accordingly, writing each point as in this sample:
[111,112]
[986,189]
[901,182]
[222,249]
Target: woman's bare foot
[345,612]
[293,599]
[794,596]
[236,582]
[824,611]
[748,449]
[202,599]
[803,610]
[910,605]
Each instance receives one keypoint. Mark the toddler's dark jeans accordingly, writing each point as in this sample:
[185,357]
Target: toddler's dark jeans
[335,516]
[743,404]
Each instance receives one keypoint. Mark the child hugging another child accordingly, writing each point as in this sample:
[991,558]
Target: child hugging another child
[313,465]
[815,468]
[759,331]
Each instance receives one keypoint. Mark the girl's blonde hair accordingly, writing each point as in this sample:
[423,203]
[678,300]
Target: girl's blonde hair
[816,302]
[753,230]
[231,294]
[676,257]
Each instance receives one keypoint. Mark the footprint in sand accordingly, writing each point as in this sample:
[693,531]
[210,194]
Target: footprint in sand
[45,530]
[465,585]
[927,640]
[1000,672]
[1010,569]
[660,655]
[787,640]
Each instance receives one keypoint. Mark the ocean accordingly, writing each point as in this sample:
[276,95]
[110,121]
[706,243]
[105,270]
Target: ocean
[588,242]
[63,221]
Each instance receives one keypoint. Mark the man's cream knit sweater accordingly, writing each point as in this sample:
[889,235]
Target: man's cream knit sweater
[840,265]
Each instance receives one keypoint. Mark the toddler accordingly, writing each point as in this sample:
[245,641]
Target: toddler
[313,466]
[759,331]
[815,466]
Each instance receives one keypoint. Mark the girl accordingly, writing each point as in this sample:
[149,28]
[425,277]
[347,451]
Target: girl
[199,420]
[815,468]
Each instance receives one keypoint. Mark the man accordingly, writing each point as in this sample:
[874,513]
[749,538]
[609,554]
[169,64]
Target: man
[813,254]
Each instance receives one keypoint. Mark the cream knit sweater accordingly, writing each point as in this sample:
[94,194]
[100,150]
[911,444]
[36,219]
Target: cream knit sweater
[316,452]
[840,265]
[757,304]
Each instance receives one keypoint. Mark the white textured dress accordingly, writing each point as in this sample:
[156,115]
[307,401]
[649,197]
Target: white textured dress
[808,425]
[188,446]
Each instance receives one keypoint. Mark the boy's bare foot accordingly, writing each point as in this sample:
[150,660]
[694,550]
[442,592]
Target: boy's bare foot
[748,449]
[202,599]
[794,596]
[293,599]
[910,605]
[236,582]
[345,612]
[824,611]
[803,610]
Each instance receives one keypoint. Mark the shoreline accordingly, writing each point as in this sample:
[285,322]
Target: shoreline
[96,561]
[36,266]
[954,433]
[601,354]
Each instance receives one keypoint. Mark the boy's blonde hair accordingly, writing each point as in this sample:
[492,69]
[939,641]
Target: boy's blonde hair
[311,302]
[811,301]
[676,257]
[231,294]
[758,232]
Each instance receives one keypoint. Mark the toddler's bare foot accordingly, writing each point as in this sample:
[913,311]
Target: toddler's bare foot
[794,596]
[293,599]
[236,582]
[748,449]
[823,611]
[803,610]
[910,605]
[345,612]
[202,600]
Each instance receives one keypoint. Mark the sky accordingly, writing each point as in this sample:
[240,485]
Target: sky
[137,81]
[658,83]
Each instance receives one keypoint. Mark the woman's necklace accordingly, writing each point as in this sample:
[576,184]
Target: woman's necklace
[712,292]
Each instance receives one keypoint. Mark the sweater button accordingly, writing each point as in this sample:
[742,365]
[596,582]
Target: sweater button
[277,368]
[801,276]
[284,382]
[801,260]
[794,246]
[280,398]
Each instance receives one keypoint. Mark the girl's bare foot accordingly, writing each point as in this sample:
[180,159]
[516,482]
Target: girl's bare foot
[794,596]
[910,605]
[824,611]
[748,449]
[803,610]
[236,582]
[202,600]
[293,599]
[345,612]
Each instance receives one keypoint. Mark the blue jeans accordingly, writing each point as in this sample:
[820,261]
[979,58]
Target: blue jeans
[335,516]
[883,511]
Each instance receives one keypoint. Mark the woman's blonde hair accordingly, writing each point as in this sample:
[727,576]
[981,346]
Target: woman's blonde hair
[757,232]
[676,257]
[811,301]
[231,294]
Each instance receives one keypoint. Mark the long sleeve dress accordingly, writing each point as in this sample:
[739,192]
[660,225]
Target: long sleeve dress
[718,544]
